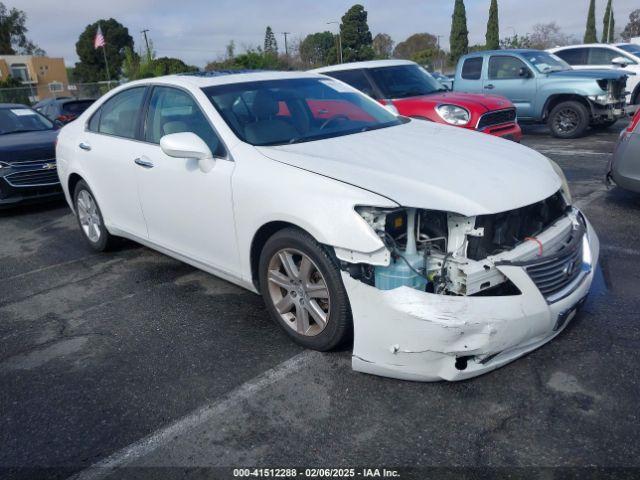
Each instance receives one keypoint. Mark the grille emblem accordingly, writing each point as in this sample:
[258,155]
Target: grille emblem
[568,269]
[49,166]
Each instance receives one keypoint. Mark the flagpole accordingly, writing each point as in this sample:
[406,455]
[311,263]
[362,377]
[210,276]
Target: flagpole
[104,53]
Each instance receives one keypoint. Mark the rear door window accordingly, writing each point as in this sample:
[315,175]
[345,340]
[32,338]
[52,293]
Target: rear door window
[76,108]
[355,78]
[574,56]
[472,68]
[120,114]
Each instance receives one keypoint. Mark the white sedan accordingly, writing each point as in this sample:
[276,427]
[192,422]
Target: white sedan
[441,253]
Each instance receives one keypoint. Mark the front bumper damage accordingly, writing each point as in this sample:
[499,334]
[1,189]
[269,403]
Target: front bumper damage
[414,335]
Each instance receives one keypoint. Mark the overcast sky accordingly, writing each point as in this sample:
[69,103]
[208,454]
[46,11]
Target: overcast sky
[198,30]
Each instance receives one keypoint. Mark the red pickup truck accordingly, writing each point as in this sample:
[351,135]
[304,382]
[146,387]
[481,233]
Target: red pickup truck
[409,89]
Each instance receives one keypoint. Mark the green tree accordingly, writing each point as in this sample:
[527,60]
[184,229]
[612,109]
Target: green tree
[270,43]
[590,34]
[356,36]
[13,33]
[632,29]
[493,27]
[318,49]
[382,45]
[608,25]
[516,41]
[459,39]
[419,47]
[170,66]
[91,67]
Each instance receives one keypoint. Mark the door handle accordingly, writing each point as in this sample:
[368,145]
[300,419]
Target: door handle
[143,163]
[85,146]
[489,87]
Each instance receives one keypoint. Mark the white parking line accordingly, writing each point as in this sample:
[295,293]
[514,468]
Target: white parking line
[590,198]
[621,250]
[146,445]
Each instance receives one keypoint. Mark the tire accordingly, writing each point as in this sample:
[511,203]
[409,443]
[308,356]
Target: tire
[604,125]
[90,219]
[568,119]
[296,273]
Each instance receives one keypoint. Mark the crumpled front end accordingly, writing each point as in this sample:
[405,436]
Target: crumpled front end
[477,312]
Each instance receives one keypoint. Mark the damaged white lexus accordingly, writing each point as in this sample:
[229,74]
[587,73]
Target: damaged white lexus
[440,253]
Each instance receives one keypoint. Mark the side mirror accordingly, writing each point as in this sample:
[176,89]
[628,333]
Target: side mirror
[620,62]
[188,145]
[58,123]
[524,72]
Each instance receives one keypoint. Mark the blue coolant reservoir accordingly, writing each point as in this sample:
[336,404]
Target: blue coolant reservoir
[398,273]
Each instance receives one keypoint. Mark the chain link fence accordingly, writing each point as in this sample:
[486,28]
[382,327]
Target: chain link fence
[29,95]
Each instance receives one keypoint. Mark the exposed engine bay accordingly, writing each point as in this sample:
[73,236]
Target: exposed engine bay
[450,254]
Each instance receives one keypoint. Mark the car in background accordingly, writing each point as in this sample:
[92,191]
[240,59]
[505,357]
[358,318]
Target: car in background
[444,80]
[410,238]
[545,89]
[63,109]
[619,56]
[27,156]
[624,167]
[410,90]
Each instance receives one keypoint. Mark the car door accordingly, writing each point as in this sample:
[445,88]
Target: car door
[511,77]
[470,76]
[187,211]
[104,148]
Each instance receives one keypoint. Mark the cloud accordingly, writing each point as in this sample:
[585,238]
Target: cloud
[198,30]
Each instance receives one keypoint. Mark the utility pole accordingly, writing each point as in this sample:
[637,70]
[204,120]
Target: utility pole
[440,59]
[339,41]
[146,41]
[286,48]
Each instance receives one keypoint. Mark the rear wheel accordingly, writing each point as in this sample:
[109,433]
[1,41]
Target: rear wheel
[90,219]
[569,120]
[303,290]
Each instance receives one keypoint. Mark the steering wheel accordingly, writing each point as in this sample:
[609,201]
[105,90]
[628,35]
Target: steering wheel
[333,119]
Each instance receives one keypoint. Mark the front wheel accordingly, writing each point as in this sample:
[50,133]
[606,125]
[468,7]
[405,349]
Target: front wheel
[568,120]
[303,290]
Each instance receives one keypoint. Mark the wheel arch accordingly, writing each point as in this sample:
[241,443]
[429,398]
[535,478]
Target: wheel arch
[260,238]
[72,181]
[556,99]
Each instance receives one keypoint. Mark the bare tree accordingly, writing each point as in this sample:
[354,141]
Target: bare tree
[547,35]
[383,45]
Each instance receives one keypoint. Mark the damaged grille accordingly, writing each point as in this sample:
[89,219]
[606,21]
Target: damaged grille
[497,118]
[503,231]
[553,274]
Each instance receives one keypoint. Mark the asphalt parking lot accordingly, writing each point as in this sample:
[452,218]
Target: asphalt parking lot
[134,359]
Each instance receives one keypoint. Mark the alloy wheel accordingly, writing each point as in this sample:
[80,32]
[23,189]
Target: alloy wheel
[299,292]
[566,120]
[88,216]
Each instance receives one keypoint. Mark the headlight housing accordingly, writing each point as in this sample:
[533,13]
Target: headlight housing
[565,185]
[453,114]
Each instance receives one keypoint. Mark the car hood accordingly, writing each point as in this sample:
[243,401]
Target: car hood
[470,100]
[432,166]
[591,74]
[21,147]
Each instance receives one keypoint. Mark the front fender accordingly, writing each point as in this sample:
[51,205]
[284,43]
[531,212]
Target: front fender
[321,206]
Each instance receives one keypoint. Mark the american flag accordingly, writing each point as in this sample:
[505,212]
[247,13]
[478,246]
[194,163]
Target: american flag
[99,40]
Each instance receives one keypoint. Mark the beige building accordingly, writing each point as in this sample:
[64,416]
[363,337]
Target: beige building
[47,77]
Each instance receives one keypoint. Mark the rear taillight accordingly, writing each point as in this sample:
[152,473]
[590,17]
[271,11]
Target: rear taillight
[633,126]
[65,118]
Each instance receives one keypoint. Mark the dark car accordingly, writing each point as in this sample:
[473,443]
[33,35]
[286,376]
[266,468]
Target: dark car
[63,109]
[27,156]
[624,167]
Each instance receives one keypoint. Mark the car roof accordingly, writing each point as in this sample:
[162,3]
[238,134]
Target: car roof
[358,65]
[210,79]
[498,52]
[13,105]
[586,45]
